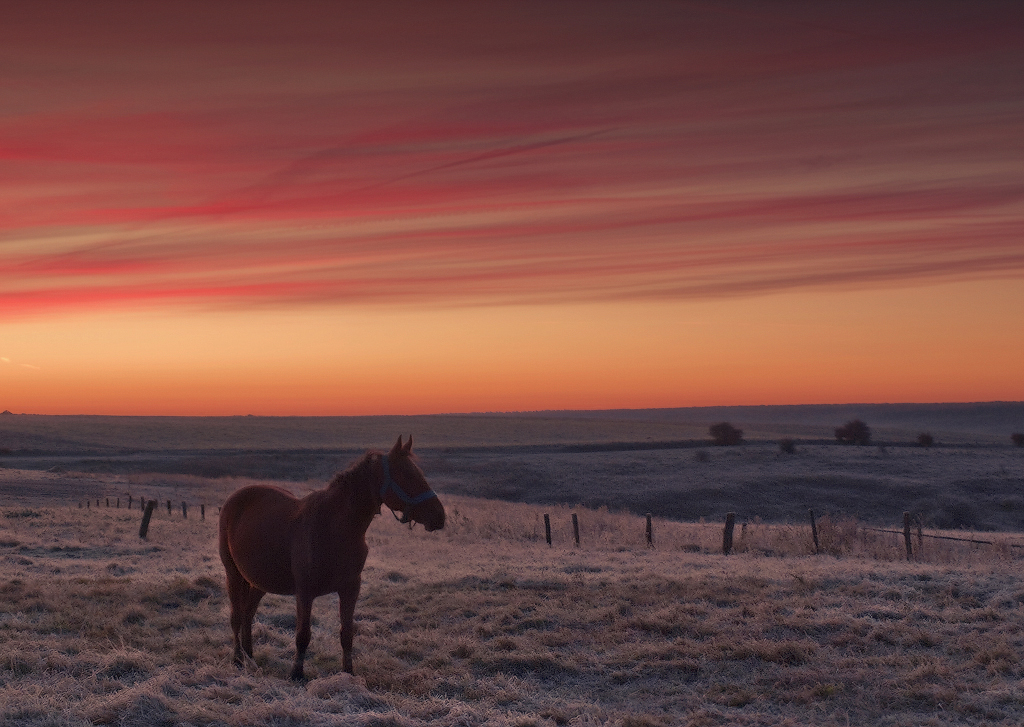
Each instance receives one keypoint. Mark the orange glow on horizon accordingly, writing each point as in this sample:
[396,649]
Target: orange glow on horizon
[934,344]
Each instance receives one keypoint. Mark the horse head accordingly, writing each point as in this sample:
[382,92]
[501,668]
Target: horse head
[404,488]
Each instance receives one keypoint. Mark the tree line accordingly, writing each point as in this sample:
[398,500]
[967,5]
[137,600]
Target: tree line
[855,431]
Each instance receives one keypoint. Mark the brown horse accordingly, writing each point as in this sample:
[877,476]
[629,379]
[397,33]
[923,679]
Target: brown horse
[273,542]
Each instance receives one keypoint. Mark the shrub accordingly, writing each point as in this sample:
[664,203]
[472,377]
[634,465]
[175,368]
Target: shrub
[788,446]
[925,440]
[726,434]
[1018,439]
[855,432]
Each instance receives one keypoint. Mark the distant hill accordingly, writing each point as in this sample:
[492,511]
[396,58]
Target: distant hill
[982,423]
[964,421]
[652,460]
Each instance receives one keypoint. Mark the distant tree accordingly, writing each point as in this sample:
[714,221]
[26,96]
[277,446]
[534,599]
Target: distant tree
[854,432]
[925,440]
[1018,439]
[726,434]
[788,446]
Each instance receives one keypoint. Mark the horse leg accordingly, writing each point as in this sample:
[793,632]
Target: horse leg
[253,597]
[236,628]
[238,594]
[347,611]
[303,610]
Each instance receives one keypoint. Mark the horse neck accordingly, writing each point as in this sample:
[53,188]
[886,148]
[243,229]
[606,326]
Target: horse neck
[353,496]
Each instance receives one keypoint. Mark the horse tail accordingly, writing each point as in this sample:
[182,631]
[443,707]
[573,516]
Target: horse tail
[228,514]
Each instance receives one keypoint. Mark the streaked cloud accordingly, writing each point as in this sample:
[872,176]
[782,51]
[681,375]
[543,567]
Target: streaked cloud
[8,362]
[489,153]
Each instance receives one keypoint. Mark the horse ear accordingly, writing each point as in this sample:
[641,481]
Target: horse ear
[408,445]
[397,449]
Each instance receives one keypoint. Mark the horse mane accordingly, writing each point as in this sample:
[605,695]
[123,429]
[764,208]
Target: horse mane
[359,468]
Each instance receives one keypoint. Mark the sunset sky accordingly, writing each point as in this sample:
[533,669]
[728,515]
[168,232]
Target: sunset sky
[425,207]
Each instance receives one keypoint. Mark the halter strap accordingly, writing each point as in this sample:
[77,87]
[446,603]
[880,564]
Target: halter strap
[390,484]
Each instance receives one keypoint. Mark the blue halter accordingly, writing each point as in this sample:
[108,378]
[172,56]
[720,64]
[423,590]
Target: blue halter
[390,484]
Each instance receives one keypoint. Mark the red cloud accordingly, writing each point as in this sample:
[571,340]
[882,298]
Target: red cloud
[149,160]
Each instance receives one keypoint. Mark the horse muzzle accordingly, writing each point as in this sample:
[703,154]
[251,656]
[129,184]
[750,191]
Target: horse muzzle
[429,514]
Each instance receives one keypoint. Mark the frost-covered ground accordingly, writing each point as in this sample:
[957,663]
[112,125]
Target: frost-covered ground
[484,624]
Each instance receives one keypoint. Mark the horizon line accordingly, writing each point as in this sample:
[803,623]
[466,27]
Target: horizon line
[524,411]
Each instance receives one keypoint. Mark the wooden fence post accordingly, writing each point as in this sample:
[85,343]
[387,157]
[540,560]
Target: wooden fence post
[730,523]
[202,512]
[129,502]
[184,510]
[650,532]
[814,533]
[547,529]
[906,535]
[576,529]
[168,507]
[150,506]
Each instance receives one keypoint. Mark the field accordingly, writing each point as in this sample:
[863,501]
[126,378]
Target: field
[484,623]
[656,461]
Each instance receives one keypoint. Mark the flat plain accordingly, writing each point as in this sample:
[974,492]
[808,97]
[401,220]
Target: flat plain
[484,623]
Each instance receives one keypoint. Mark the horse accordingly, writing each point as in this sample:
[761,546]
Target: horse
[273,542]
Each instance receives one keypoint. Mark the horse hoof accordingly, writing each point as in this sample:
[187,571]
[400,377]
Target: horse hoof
[298,676]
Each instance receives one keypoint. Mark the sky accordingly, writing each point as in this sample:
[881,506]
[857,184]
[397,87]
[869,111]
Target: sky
[301,208]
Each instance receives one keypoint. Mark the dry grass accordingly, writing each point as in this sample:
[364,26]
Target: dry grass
[483,623]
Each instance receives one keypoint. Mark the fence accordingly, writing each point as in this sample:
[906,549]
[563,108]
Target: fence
[148,508]
[912,532]
[87,504]
[913,527]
